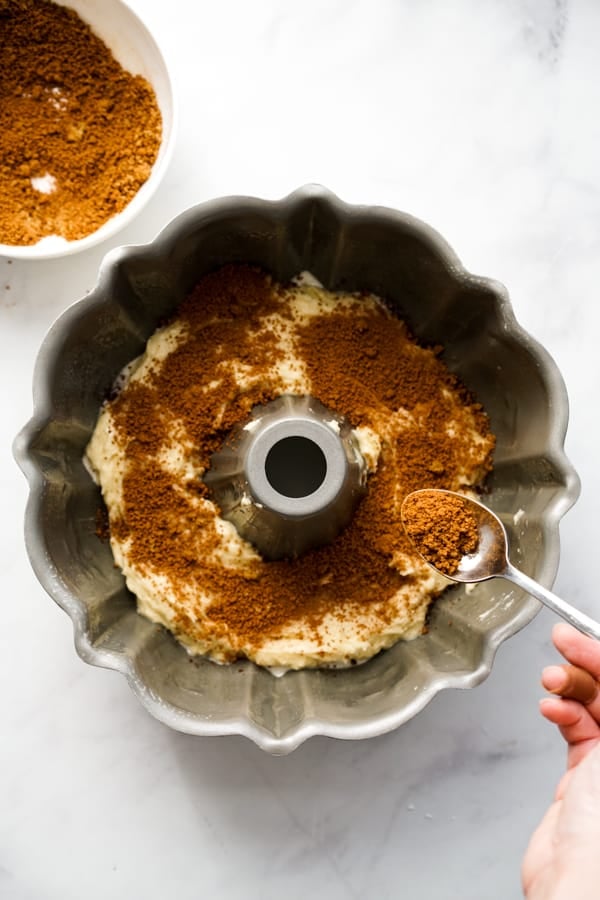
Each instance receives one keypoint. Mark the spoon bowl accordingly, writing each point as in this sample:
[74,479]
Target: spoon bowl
[490,558]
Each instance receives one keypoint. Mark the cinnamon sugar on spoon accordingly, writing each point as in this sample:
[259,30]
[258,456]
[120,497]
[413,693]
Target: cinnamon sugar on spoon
[442,528]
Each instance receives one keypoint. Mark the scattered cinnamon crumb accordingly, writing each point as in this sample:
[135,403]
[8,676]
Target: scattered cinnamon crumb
[365,367]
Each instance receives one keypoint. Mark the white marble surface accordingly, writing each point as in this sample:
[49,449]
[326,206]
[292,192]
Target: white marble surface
[482,118]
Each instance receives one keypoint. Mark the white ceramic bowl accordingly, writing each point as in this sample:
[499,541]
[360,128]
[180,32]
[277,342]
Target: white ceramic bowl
[135,49]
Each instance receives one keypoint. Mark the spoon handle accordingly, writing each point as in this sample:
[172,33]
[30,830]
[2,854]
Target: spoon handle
[574,616]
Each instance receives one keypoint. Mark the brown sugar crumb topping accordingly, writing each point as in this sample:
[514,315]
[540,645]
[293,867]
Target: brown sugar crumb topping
[442,528]
[363,365]
[78,134]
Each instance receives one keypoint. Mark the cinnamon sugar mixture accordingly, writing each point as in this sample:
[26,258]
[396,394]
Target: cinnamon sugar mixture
[78,134]
[238,340]
[442,528]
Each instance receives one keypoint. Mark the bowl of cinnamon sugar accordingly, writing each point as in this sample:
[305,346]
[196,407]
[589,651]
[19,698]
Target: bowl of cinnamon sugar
[223,433]
[88,123]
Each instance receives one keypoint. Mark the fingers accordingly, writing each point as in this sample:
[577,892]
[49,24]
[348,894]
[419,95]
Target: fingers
[578,727]
[583,653]
[577,648]
[573,719]
[571,682]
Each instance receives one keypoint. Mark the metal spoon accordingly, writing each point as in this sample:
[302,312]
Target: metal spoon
[490,560]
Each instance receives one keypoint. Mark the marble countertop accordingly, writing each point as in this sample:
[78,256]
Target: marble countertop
[482,119]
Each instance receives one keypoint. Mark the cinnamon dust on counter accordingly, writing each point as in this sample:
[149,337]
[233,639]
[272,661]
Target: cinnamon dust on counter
[360,366]
[442,528]
[78,134]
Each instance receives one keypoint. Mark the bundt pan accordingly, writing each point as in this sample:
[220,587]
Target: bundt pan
[354,248]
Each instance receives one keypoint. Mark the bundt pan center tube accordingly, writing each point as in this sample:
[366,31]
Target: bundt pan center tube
[290,478]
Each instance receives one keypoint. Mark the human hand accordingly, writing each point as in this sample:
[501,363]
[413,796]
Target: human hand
[562,861]
[577,711]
